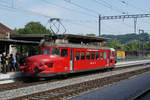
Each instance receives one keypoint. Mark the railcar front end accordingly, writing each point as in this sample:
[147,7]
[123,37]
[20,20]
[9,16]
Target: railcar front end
[46,65]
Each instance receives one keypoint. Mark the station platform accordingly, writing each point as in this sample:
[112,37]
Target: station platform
[11,76]
[124,90]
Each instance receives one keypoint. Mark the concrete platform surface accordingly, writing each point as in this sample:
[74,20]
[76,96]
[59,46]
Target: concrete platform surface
[8,77]
[124,90]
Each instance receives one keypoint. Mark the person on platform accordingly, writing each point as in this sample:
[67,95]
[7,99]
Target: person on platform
[7,62]
[17,62]
[11,63]
[22,59]
[4,68]
[0,63]
[14,62]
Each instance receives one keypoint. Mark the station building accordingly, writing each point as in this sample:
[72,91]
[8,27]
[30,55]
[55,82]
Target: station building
[5,46]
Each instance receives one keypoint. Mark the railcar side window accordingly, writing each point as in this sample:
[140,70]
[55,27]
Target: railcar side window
[88,55]
[105,55]
[77,55]
[46,51]
[93,55]
[64,52]
[101,54]
[55,51]
[97,55]
[82,55]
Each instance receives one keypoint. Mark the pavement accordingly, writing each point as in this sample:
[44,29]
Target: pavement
[8,77]
[124,90]
[11,76]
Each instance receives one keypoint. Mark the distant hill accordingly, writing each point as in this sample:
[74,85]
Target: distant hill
[128,37]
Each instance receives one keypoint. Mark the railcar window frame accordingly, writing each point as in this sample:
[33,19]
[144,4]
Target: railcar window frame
[102,55]
[55,52]
[92,55]
[46,51]
[41,51]
[97,55]
[77,55]
[88,54]
[82,55]
[65,53]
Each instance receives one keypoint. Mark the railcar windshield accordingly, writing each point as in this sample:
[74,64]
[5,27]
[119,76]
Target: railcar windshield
[46,51]
[55,51]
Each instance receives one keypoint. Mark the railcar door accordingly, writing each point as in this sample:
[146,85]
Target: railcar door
[71,60]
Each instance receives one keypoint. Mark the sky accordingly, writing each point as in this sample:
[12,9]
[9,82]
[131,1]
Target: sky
[78,16]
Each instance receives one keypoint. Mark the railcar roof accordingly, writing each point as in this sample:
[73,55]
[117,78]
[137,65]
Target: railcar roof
[83,46]
[77,38]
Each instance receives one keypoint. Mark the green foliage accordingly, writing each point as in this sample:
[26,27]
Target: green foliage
[128,42]
[32,28]
[127,37]
[91,34]
[114,44]
[132,45]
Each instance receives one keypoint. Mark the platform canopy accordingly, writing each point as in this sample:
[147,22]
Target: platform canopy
[21,42]
[76,38]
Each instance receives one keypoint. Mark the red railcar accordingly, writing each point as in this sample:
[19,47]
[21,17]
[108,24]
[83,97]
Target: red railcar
[63,58]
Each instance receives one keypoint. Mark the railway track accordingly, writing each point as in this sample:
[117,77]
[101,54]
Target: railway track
[22,83]
[69,91]
[106,80]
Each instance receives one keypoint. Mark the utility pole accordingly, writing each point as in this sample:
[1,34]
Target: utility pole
[135,22]
[99,25]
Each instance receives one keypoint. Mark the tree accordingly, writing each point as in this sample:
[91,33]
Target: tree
[114,44]
[32,28]
[128,37]
[90,34]
[132,45]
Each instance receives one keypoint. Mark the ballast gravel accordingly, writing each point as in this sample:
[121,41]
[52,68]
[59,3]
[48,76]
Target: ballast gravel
[10,94]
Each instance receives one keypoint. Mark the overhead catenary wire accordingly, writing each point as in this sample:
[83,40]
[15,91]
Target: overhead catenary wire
[83,26]
[126,3]
[39,14]
[130,5]
[84,8]
[47,16]
[69,9]
[108,5]
[23,10]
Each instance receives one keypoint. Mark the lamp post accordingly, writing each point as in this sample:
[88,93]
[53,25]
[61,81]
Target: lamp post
[140,32]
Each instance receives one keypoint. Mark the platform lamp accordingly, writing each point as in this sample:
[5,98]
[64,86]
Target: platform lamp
[140,32]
